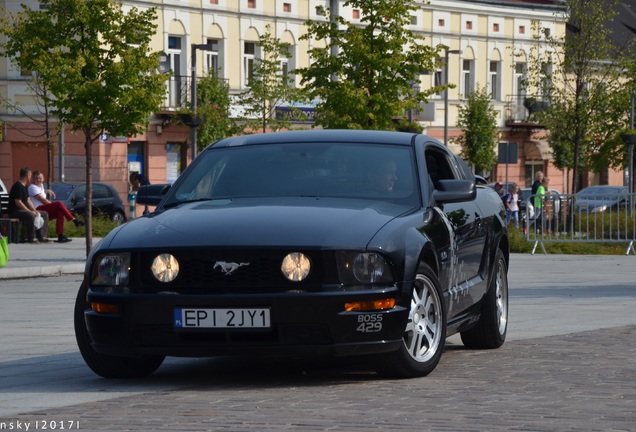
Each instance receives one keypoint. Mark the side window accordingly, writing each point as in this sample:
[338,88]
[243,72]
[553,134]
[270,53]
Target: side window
[438,166]
[100,191]
[80,192]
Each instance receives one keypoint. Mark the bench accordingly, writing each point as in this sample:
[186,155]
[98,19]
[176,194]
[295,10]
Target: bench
[9,227]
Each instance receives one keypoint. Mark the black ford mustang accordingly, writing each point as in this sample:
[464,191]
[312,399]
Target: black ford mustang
[305,243]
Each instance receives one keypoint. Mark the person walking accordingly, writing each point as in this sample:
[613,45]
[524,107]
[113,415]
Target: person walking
[56,210]
[512,208]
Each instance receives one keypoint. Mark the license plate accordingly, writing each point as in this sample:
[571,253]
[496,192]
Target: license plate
[235,318]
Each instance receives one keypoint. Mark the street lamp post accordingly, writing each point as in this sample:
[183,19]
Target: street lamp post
[193,93]
[446,54]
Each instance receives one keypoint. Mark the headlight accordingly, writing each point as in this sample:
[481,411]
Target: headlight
[112,269]
[165,268]
[295,266]
[365,267]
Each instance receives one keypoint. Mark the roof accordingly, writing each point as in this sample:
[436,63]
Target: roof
[323,135]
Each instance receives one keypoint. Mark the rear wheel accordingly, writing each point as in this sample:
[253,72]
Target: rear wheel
[425,331]
[490,331]
[108,366]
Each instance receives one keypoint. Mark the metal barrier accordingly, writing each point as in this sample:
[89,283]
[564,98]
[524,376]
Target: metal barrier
[571,218]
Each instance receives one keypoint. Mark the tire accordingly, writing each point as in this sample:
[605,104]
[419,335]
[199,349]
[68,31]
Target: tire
[490,330]
[425,332]
[118,218]
[103,365]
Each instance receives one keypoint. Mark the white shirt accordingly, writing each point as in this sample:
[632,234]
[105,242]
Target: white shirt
[34,191]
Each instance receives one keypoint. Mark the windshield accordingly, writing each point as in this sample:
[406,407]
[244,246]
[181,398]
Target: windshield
[62,191]
[362,171]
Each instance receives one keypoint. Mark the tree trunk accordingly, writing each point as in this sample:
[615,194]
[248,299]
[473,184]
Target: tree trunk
[88,214]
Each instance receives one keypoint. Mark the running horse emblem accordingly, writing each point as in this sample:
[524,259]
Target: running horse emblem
[228,267]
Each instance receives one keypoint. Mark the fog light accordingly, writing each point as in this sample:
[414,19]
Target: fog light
[370,305]
[295,266]
[165,268]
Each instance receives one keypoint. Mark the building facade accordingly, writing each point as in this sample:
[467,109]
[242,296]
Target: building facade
[488,44]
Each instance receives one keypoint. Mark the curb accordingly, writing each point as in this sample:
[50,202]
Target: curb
[29,272]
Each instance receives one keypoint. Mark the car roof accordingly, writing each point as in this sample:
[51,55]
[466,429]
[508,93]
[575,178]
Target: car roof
[323,135]
[601,189]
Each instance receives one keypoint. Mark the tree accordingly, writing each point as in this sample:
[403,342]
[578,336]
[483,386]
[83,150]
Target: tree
[580,76]
[95,60]
[42,100]
[269,86]
[478,122]
[213,107]
[363,78]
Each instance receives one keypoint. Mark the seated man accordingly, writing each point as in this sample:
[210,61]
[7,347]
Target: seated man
[21,207]
[55,210]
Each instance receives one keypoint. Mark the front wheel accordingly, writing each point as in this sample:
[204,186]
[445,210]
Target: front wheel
[108,366]
[425,331]
[118,218]
[490,330]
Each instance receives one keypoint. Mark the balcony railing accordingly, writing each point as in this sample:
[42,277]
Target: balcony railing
[522,108]
[179,91]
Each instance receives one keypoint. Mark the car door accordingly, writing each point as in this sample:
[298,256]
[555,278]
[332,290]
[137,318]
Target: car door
[466,281]
[103,200]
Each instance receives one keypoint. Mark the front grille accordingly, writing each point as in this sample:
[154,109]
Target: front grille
[258,272]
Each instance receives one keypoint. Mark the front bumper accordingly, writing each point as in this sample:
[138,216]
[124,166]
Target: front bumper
[301,324]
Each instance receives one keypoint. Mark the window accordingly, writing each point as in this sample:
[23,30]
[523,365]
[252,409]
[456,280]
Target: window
[249,52]
[440,22]
[251,4]
[438,75]
[212,57]
[215,2]
[469,25]
[413,20]
[356,14]
[495,27]
[493,80]
[284,65]
[519,90]
[468,67]
[287,7]
[522,29]
[320,11]
[177,83]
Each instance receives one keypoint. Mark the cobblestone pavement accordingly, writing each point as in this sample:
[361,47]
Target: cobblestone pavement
[583,381]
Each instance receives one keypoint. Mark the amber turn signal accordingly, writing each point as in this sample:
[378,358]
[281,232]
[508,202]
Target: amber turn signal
[105,308]
[370,305]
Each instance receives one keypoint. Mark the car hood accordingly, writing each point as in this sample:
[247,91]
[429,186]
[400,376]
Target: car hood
[302,222]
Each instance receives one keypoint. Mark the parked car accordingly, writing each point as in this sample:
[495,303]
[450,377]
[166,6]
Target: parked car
[106,200]
[306,243]
[594,199]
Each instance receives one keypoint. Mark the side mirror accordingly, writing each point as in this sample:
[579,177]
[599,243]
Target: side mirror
[152,194]
[452,191]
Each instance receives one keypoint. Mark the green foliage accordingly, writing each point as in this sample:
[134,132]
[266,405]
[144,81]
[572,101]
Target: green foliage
[520,244]
[95,61]
[269,87]
[587,95]
[213,106]
[478,121]
[102,225]
[363,77]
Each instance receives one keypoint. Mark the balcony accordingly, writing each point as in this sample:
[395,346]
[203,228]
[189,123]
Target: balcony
[178,92]
[520,111]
